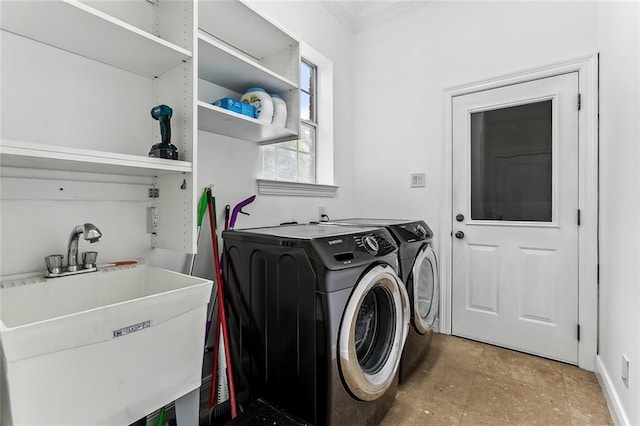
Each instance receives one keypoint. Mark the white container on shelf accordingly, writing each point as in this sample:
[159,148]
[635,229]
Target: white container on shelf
[279,111]
[261,101]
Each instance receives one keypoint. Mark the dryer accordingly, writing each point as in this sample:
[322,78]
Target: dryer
[324,320]
[419,272]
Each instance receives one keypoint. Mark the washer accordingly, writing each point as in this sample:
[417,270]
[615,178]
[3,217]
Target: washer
[325,319]
[419,271]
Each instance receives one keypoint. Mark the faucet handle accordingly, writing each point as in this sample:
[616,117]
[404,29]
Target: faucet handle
[89,259]
[54,263]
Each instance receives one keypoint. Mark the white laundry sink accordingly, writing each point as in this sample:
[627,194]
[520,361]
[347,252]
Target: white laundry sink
[106,347]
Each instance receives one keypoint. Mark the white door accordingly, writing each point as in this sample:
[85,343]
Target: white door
[515,217]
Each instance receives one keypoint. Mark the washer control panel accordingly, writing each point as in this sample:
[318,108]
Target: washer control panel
[374,243]
[357,247]
[370,244]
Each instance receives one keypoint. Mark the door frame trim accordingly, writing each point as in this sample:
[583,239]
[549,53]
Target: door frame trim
[587,68]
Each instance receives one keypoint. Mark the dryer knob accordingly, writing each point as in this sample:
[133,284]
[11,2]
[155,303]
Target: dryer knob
[421,231]
[371,244]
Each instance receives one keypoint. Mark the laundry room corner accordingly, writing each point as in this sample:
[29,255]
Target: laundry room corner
[319,212]
[619,346]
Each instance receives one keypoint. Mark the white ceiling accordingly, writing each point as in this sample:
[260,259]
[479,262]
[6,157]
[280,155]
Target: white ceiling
[357,15]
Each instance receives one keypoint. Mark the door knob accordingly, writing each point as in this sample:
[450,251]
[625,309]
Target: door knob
[459,235]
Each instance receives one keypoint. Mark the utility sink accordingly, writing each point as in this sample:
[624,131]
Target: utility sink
[108,347]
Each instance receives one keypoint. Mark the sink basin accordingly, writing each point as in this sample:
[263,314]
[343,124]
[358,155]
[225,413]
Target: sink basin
[108,347]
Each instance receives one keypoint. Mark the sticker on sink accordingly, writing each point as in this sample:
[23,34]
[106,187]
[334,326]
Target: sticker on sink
[131,328]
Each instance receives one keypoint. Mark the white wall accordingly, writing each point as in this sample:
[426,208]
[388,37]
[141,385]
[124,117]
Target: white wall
[403,67]
[233,165]
[619,45]
[49,96]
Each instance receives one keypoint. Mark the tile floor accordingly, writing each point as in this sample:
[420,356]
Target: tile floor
[462,382]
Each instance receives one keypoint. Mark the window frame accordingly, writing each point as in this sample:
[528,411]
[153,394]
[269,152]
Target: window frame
[324,185]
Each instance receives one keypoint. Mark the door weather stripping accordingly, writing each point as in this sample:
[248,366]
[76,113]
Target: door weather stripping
[579,101]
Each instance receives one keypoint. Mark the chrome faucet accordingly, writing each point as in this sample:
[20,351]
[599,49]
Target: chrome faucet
[91,234]
[55,267]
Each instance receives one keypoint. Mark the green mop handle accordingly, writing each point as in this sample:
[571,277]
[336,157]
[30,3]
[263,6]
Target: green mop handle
[202,208]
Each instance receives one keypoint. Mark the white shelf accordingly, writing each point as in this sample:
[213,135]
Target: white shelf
[83,30]
[222,65]
[221,121]
[242,27]
[41,156]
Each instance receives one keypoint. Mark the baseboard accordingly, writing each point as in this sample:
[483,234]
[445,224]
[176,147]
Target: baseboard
[436,326]
[618,414]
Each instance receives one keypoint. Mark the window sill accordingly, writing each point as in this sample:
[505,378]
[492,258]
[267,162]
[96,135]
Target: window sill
[298,189]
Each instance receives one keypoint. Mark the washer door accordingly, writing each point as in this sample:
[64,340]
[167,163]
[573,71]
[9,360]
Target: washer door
[373,331]
[424,290]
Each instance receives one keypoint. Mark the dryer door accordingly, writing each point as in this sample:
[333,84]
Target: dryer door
[372,333]
[424,290]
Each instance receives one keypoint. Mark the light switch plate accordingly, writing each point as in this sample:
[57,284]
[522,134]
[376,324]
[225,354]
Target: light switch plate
[418,180]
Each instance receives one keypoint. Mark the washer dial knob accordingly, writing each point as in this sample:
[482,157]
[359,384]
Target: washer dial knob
[422,233]
[370,244]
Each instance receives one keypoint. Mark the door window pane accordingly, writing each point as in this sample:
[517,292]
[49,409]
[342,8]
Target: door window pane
[511,173]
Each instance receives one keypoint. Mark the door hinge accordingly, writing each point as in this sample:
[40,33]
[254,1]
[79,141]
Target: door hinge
[598,273]
[579,214]
[579,101]
[578,332]
[154,192]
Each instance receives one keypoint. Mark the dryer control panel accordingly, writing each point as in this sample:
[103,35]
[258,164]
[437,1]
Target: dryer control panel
[413,231]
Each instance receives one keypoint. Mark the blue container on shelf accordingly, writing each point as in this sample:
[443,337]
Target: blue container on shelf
[229,103]
[248,110]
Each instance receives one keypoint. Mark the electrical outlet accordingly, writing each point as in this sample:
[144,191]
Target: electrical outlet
[625,370]
[152,220]
[322,213]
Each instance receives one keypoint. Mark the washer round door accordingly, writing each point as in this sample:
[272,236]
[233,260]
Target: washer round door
[424,290]
[372,333]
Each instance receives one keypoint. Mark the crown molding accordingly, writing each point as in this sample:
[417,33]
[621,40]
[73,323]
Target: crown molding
[369,13]
[340,13]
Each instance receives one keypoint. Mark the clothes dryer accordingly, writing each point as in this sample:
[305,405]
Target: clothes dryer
[419,272]
[324,320]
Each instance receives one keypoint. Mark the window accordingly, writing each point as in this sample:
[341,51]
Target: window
[305,166]
[295,160]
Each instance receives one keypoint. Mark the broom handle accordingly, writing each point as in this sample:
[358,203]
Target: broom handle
[221,310]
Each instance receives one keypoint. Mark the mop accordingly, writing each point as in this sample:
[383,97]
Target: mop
[222,331]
